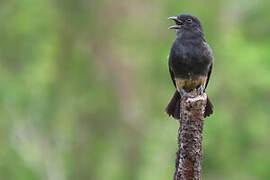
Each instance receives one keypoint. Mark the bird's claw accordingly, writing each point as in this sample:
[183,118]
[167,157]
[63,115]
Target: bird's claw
[183,93]
[201,90]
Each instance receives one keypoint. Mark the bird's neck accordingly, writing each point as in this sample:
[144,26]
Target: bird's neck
[190,35]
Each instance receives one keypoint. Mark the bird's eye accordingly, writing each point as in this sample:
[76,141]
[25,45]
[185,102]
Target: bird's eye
[189,20]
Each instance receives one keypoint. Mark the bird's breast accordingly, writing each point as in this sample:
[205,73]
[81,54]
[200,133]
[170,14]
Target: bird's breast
[187,60]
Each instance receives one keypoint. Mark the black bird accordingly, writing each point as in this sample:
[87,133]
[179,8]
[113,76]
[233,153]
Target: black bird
[190,62]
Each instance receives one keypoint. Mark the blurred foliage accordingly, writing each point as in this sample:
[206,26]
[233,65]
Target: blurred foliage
[84,85]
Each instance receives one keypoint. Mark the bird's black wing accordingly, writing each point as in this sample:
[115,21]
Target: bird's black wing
[208,75]
[209,55]
[172,76]
[209,106]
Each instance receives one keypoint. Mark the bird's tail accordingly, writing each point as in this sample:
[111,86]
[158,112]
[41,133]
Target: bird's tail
[208,108]
[173,108]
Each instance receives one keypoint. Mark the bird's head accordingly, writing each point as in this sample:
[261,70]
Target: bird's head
[185,22]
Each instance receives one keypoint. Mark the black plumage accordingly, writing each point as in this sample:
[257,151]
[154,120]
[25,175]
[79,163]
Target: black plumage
[190,62]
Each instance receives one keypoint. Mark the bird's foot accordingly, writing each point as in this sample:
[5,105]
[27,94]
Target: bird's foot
[183,93]
[201,90]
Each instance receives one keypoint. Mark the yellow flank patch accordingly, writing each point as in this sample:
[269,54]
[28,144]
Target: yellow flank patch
[190,84]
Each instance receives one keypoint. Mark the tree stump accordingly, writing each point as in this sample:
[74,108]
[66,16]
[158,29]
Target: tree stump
[189,155]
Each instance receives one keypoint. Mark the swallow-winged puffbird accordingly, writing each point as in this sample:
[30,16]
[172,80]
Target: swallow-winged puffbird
[190,62]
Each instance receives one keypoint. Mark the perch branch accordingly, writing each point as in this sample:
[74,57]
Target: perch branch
[189,155]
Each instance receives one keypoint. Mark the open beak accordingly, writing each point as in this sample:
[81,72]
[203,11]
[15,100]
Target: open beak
[178,23]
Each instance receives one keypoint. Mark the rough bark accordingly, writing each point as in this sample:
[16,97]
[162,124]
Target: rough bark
[189,155]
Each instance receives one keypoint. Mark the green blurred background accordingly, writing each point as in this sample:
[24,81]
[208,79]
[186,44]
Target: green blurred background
[84,85]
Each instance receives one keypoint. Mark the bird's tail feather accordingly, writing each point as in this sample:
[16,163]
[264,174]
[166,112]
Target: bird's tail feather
[173,108]
[208,108]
